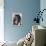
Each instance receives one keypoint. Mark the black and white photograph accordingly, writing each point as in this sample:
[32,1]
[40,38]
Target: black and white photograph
[17,19]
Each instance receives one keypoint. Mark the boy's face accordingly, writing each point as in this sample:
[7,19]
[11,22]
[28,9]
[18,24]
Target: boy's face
[16,22]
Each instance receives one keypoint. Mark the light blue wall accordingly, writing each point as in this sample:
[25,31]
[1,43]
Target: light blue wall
[28,9]
[43,6]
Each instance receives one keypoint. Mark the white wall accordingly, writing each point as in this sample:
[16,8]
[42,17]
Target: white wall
[1,20]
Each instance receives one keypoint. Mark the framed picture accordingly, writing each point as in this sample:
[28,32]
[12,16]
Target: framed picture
[17,19]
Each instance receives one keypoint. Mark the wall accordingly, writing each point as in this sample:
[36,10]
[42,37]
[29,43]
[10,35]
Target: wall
[1,21]
[43,6]
[28,9]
